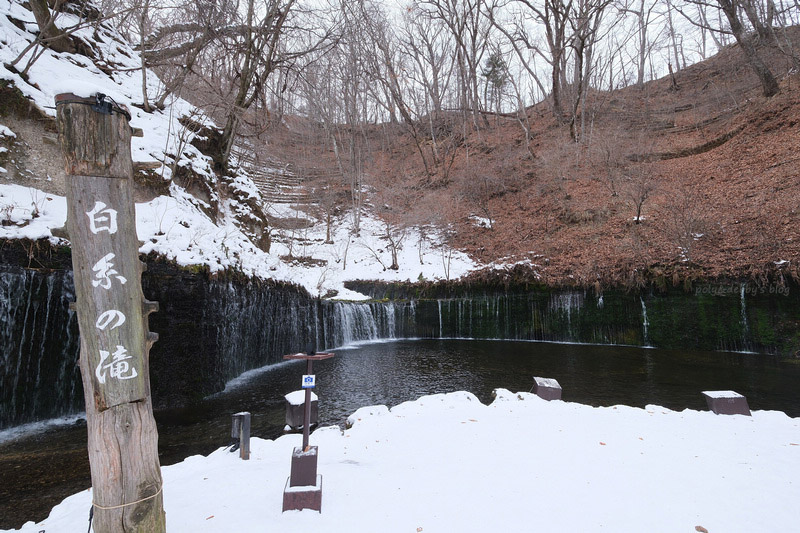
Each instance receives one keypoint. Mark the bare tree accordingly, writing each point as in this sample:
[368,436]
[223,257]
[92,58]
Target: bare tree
[385,67]
[521,114]
[469,24]
[431,66]
[257,54]
[638,186]
[552,16]
[424,42]
[769,85]
[49,34]
[585,20]
[732,10]
[643,10]
[686,223]
[479,188]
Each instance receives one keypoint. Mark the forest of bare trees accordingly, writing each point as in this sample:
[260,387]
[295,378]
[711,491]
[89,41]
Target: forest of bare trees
[352,62]
[438,71]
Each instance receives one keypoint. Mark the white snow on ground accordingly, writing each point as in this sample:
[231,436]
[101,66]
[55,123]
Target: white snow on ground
[447,463]
[175,227]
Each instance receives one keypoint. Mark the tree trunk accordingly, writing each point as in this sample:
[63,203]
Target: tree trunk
[50,35]
[769,85]
[112,317]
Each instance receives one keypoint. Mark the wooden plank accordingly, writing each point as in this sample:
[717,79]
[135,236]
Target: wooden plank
[108,287]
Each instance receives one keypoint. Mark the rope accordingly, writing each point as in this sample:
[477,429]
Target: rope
[131,503]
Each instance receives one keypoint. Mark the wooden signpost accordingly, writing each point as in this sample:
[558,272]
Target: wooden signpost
[112,313]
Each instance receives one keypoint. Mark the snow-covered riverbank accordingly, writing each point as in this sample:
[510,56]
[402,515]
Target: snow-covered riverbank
[447,463]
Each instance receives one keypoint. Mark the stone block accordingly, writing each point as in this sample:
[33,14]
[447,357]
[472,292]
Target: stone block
[304,467]
[303,497]
[726,402]
[546,388]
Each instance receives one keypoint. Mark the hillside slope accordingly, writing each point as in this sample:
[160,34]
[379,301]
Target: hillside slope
[713,164]
[667,185]
[186,211]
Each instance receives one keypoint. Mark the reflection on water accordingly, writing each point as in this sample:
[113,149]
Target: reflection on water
[40,470]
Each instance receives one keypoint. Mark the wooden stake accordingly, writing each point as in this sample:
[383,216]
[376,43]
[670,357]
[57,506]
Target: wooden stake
[240,433]
[112,317]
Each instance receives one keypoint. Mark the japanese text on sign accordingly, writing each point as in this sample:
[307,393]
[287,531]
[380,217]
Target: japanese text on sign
[309,381]
[118,368]
[102,219]
[117,364]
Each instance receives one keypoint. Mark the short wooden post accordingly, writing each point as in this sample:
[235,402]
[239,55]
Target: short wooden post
[240,433]
[112,316]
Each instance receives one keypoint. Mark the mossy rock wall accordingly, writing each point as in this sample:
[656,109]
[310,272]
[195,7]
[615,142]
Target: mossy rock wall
[733,316]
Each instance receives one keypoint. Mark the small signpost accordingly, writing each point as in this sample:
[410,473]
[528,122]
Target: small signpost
[304,487]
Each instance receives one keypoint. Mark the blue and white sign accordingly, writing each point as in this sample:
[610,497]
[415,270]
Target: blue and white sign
[309,381]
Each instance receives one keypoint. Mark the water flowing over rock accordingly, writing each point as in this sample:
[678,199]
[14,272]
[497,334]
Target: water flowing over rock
[213,328]
[39,374]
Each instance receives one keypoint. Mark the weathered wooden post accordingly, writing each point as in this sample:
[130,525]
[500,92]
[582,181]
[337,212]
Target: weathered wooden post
[240,434]
[112,315]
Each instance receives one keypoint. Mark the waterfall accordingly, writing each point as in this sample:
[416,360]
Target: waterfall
[645,323]
[566,303]
[211,329]
[349,322]
[745,325]
[39,374]
[439,303]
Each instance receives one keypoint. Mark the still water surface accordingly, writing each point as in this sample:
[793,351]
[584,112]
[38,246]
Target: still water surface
[39,470]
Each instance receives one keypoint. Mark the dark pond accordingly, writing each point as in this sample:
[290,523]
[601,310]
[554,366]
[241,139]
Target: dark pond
[41,469]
